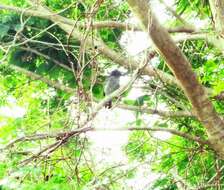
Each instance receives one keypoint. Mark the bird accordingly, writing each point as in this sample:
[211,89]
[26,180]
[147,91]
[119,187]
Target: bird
[112,84]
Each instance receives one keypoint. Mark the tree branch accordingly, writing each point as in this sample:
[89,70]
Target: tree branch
[60,135]
[47,57]
[162,113]
[172,131]
[96,24]
[168,8]
[35,76]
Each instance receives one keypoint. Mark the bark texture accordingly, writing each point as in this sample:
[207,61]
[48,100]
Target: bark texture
[182,70]
[217,8]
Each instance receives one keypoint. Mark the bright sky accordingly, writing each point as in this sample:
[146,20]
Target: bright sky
[12,110]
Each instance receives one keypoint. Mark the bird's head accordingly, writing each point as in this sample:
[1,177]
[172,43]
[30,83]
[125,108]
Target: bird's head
[115,73]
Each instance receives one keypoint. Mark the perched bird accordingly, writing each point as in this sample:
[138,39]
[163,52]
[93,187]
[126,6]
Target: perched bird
[112,84]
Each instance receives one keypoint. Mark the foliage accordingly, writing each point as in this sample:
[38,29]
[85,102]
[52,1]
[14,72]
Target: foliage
[40,103]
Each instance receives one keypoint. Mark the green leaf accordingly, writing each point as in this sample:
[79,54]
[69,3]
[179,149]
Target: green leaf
[3,30]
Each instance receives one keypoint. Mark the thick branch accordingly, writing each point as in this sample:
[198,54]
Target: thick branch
[35,76]
[182,70]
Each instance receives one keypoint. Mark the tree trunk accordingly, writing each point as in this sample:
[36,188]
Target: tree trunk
[182,70]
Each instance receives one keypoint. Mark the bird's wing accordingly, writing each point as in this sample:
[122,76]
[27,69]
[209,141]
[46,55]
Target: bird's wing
[111,85]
